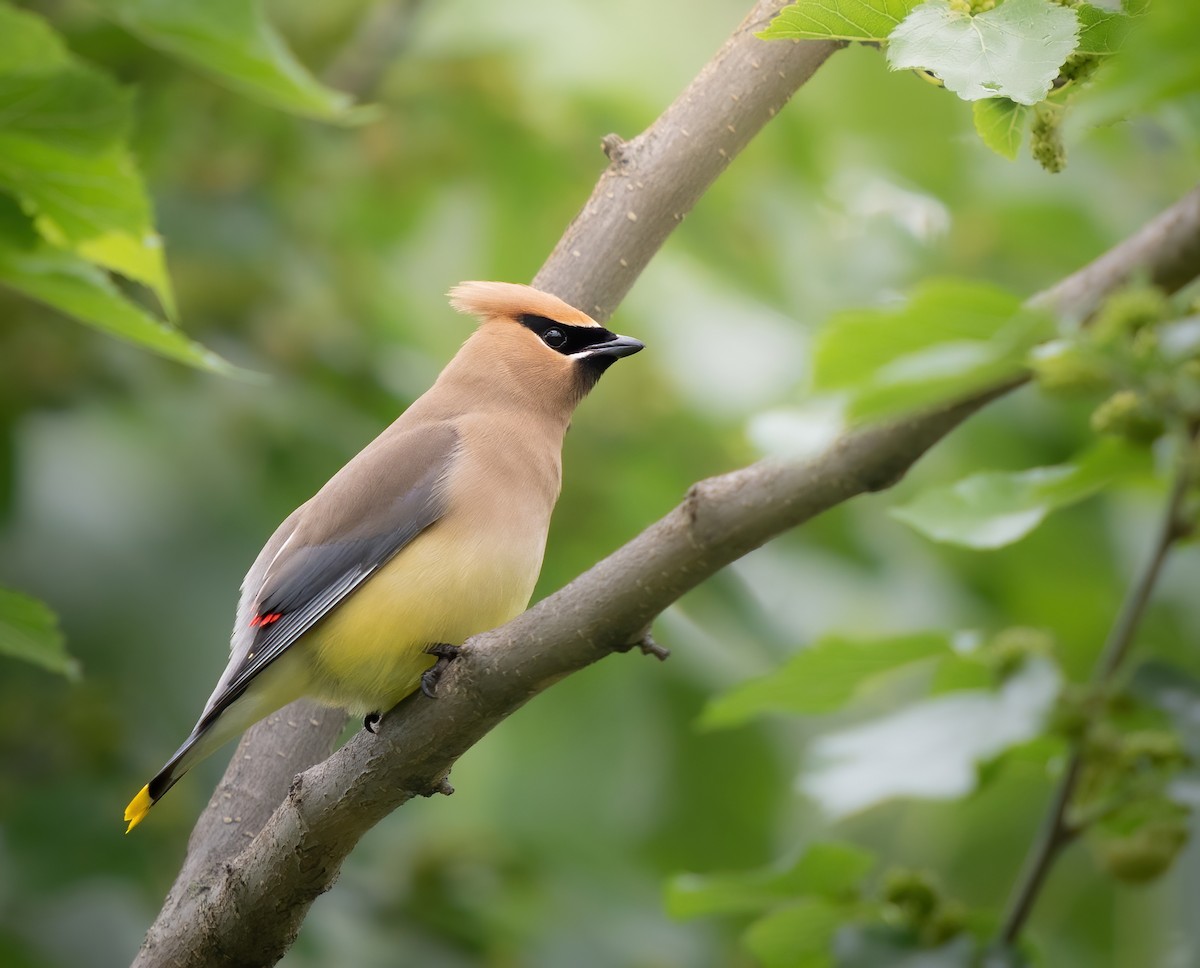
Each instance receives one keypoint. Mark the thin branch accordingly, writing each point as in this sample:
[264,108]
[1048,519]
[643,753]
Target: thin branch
[1057,830]
[656,178]
[1054,835]
[1171,528]
[382,34]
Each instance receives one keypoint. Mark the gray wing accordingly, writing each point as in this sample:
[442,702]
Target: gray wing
[366,514]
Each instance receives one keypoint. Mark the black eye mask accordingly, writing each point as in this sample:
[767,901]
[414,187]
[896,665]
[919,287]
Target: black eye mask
[564,338]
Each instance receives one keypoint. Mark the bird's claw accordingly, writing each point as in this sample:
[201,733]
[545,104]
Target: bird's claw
[371,721]
[431,677]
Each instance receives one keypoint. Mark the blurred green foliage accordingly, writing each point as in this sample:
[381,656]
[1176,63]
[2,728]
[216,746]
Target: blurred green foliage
[134,492]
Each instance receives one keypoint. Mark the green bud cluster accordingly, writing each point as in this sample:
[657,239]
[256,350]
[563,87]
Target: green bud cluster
[1139,842]
[1153,749]
[1129,414]
[1083,713]
[1129,311]
[1121,802]
[1046,141]
[1077,69]
[1071,367]
[1139,354]
[913,902]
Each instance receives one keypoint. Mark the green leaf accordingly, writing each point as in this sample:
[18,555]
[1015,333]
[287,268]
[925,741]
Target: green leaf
[62,155]
[233,41]
[1014,50]
[16,228]
[1101,32]
[996,508]
[958,673]
[952,338]
[74,198]
[831,870]
[823,677]
[29,631]
[74,108]
[1158,62]
[74,286]
[1001,124]
[870,20]
[1036,755]
[858,343]
[797,936]
[930,749]
[61,130]
[28,43]
[94,206]
[141,259]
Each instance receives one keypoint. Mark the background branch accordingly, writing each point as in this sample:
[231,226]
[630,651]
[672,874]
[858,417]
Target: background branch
[1057,830]
[656,178]
[382,34]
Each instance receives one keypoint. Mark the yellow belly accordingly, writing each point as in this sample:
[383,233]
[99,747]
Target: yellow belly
[446,586]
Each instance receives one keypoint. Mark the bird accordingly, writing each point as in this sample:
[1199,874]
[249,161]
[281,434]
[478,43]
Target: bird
[434,532]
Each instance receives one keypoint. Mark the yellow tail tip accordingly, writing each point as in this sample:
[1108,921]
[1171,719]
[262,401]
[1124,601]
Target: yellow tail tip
[138,807]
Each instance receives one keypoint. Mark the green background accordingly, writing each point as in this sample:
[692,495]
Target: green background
[135,492]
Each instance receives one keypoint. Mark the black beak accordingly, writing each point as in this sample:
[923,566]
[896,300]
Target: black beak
[616,347]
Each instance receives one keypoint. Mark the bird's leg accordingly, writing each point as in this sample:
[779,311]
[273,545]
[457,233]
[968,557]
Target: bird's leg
[370,721]
[445,655]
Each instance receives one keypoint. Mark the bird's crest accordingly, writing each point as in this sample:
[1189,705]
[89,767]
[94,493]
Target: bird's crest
[489,300]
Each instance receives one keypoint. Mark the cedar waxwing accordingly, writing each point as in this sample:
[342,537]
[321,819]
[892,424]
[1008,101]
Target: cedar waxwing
[432,534]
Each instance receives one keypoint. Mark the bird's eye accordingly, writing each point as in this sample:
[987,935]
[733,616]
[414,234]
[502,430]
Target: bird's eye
[556,339]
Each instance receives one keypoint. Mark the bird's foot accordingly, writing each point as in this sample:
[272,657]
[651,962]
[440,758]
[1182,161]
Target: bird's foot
[371,721]
[431,677]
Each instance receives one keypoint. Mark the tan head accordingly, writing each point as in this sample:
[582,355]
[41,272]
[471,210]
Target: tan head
[533,346]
